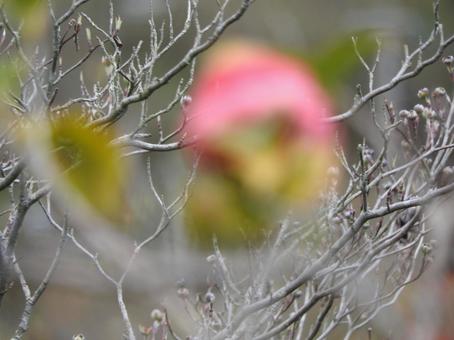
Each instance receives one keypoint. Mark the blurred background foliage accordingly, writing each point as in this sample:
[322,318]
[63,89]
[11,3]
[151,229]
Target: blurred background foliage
[320,32]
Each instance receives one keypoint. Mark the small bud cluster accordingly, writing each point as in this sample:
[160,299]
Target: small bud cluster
[158,325]
[432,112]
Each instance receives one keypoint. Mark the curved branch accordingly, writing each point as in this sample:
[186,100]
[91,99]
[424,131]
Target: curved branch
[12,175]
[186,61]
[401,76]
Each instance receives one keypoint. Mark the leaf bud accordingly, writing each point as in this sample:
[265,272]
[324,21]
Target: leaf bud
[88,34]
[118,23]
[449,62]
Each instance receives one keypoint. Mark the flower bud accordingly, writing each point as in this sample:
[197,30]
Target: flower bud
[391,112]
[412,115]
[157,315]
[185,101]
[349,213]
[108,66]
[209,297]
[429,113]
[419,108]
[404,114]
[423,93]
[368,154]
[448,61]
[439,92]
[426,248]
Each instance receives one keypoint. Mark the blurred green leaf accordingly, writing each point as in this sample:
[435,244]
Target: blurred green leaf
[90,164]
[21,6]
[221,206]
[9,69]
[33,16]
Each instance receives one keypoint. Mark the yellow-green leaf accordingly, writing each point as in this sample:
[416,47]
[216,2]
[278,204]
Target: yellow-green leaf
[90,164]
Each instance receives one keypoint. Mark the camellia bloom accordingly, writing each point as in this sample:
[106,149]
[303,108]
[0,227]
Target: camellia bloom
[256,116]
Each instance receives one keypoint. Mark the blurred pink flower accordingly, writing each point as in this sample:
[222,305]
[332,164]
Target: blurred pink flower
[257,117]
